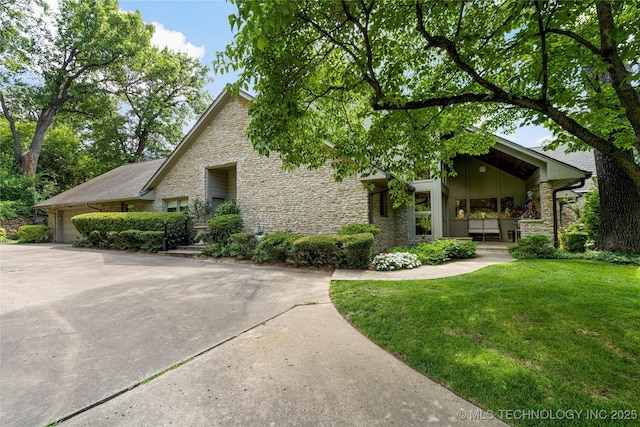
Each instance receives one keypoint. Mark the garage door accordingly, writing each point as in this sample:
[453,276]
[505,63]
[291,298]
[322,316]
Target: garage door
[69,232]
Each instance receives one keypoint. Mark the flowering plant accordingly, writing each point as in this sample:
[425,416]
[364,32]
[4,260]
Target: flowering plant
[396,261]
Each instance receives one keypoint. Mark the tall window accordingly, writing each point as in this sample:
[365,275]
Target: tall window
[423,213]
[176,205]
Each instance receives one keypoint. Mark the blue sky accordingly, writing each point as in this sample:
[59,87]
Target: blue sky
[201,28]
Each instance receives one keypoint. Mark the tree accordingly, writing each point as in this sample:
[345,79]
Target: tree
[59,71]
[395,84]
[157,92]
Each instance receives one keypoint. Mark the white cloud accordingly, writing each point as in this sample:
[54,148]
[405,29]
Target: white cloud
[176,41]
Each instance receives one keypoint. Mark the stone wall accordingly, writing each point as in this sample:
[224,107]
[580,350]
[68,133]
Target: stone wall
[12,225]
[543,225]
[303,200]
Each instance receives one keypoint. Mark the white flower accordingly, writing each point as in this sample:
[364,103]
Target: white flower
[397,260]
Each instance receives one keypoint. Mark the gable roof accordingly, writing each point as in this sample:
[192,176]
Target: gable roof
[120,184]
[192,135]
[584,160]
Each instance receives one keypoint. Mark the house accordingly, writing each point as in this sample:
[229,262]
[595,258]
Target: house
[119,190]
[216,162]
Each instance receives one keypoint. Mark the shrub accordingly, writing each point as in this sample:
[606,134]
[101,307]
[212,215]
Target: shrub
[242,245]
[227,208]
[349,251]
[533,247]
[396,261]
[440,251]
[359,229]
[3,234]
[315,250]
[357,250]
[103,222]
[131,239]
[591,214]
[216,250]
[573,241]
[223,226]
[275,247]
[33,234]
[151,241]
[202,236]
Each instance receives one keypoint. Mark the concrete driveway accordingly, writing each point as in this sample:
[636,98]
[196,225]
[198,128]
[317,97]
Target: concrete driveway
[83,332]
[79,325]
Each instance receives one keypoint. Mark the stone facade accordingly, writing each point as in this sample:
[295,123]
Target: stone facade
[305,201]
[393,223]
[543,225]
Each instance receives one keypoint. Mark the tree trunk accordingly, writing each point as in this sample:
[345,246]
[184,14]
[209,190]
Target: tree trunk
[619,207]
[29,161]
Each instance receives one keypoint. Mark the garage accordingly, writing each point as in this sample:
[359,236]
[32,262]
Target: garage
[66,232]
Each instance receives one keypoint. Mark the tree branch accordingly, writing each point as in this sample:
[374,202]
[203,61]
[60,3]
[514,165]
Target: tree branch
[586,43]
[543,52]
[17,147]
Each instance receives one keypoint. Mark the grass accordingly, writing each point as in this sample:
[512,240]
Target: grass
[559,335]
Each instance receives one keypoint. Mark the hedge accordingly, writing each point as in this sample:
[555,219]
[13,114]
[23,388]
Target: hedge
[95,226]
[33,234]
[275,247]
[348,251]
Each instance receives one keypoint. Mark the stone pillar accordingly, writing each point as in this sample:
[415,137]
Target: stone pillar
[543,225]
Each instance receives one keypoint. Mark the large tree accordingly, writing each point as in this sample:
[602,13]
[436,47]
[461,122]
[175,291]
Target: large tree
[396,83]
[155,95]
[59,69]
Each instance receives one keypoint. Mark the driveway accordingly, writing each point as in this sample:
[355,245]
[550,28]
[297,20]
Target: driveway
[85,335]
[79,325]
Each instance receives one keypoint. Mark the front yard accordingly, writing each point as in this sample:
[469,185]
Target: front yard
[554,336]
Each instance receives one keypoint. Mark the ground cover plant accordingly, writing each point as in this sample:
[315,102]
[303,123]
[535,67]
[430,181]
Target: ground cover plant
[553,335]
[436,252]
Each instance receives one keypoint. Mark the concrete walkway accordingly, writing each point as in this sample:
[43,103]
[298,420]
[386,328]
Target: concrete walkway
[455,268]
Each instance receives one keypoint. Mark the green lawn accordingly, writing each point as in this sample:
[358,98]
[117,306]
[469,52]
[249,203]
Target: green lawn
[529,335]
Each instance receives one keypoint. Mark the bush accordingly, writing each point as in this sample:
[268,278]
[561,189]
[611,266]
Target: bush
[396,261]
[202,236]
[573,241]
[591,214]
[33,234]
[95,226]
[3,234]
[242,245]
[348,251]
[275,247]
[533,247]
[440,251]
[223,226]
[227,208]
[357,250]
[315,250]
[216,250]
[358,229]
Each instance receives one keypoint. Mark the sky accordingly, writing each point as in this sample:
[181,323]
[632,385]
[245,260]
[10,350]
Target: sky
[201,28]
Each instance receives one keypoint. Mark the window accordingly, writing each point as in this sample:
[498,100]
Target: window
[507,206]
[483,208]
[461,209]
[176,205]
[423,213]
[383,204]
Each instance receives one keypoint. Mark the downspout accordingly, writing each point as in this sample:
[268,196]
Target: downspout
[555,207]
